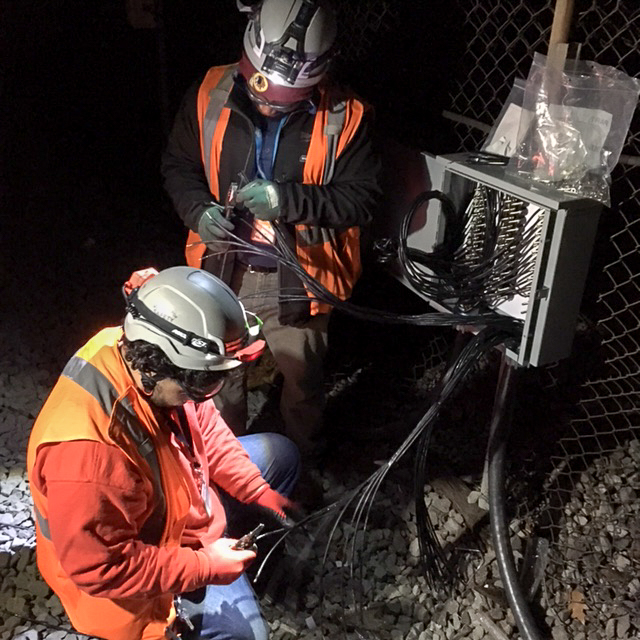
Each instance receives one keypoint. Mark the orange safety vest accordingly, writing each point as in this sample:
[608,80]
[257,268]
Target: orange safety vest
[330,256]
[94,399]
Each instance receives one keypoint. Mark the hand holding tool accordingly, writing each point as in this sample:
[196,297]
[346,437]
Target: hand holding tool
[262,198]
[213,225]
[228,563]
[248,541]
[230,201]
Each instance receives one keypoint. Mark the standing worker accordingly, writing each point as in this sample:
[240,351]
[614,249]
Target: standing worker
[133,472]
[300,150]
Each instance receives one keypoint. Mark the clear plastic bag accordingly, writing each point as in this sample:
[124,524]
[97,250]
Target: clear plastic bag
[573,125]
[503,137]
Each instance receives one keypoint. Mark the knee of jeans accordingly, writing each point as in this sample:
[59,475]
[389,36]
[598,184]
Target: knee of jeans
[289,454]
[287,458]
[287,451]
[252,627]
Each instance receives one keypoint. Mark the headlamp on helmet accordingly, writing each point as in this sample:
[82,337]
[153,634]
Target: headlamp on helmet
[287,48]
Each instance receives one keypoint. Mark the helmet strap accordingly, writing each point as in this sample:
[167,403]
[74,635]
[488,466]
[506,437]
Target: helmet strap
[281,59]
[138,309]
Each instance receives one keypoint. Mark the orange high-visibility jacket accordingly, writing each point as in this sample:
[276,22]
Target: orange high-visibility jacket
[331,256]
[95,400]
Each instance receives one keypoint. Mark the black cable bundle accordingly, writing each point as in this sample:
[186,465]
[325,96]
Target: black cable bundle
[439,570]
[486,257]
[287,258]
[449,276]
[360,500]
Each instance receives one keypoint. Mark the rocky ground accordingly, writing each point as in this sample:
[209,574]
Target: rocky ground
[75,234]
[363,580]
[64,284]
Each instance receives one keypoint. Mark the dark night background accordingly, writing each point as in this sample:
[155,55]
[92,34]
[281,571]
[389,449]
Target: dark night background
[86,99]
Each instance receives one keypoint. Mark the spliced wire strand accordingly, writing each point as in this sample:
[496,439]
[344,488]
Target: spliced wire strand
[462,275]
[362,498]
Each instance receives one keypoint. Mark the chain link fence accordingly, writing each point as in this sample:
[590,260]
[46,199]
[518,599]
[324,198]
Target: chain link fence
[589,508]
[584,491]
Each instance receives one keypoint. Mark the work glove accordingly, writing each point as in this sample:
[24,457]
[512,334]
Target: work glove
[278,507]
[262,198]
[213,226]
[228,564]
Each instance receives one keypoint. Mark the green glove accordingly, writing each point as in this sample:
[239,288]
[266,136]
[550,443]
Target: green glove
[213,226]
[262,198]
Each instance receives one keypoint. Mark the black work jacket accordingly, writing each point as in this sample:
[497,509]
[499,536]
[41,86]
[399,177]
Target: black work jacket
[348,200]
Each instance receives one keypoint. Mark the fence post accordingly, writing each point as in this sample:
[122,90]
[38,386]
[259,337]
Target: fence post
[562,14]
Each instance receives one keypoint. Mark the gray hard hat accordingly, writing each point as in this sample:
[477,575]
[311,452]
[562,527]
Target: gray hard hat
[288,44]
[194,317]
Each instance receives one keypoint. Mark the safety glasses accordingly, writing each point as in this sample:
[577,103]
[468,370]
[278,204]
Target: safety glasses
[201,395]
[280,107]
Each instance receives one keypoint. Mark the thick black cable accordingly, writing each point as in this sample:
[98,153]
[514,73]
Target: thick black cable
[496,454]
[375,315]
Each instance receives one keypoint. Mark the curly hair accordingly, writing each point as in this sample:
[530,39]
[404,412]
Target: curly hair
[151,361]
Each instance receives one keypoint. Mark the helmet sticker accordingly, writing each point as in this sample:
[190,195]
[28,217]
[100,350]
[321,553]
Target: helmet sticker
[164,310]
[258,82]
[198,343]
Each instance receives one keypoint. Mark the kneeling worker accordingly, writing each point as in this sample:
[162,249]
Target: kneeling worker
[133,472]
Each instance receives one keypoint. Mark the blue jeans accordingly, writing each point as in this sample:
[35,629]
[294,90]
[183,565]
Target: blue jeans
[232,612]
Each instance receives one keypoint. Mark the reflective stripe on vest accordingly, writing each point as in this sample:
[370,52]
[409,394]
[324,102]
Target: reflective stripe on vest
[43,523]
[333,129]
[217,99]
[94,382]
[309,236]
